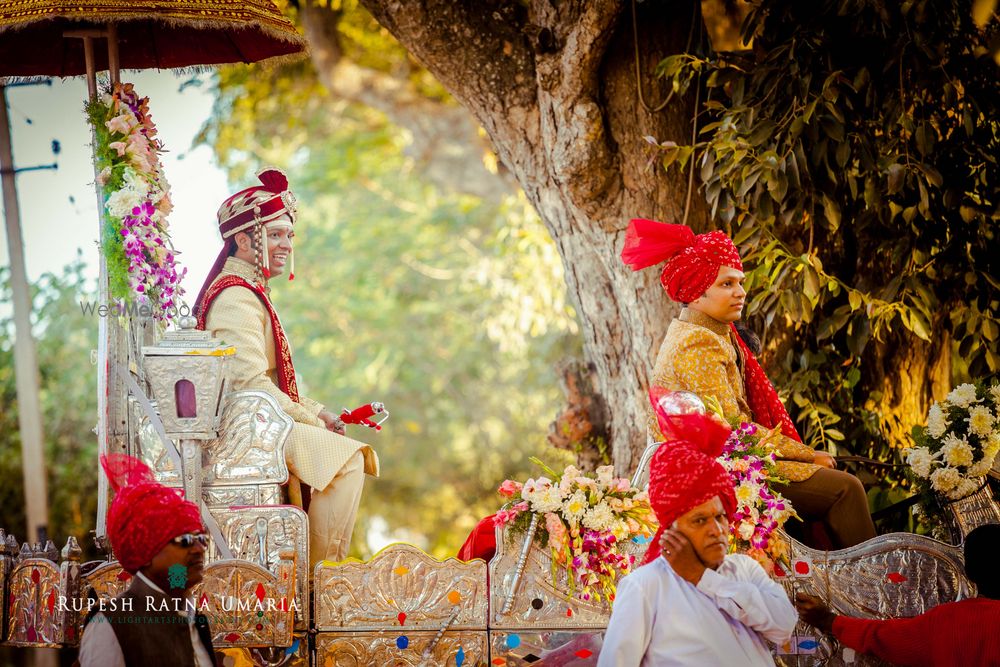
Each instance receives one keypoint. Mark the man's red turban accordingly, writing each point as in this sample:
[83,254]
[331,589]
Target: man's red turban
[692,261]
[684,472]
[144,515]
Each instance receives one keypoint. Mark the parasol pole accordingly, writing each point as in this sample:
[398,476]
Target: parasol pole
[103,329]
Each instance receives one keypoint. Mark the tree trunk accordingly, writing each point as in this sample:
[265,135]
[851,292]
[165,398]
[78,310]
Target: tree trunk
[905,375]
[554,86]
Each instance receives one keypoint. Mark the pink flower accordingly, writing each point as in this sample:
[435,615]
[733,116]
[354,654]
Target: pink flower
[122,124]
[509,488]
[556,529]
[118,146]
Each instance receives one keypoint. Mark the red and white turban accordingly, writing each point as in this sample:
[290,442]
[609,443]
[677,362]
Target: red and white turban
[258,204]
[684,472]
[144,515]
[251,210]
[693,262]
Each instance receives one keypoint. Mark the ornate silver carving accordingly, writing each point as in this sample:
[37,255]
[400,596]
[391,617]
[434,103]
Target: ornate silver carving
[296,655]
[401,589]
[249,450]
[529,648]
[537,602]
[33,592]
[973,511]
[246,604]
[405,647]
[287,527]
[195,358]
[900,574]
[106,580]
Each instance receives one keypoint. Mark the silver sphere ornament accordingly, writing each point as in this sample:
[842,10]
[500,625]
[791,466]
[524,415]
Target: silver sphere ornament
[681,403]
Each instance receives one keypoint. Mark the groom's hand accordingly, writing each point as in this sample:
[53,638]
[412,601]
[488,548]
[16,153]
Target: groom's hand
[333,422]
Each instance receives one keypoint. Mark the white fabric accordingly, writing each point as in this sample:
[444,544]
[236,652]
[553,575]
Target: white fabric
[99,646]
[663,620]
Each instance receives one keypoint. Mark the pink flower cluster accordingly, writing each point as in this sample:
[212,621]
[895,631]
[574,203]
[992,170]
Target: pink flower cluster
[760,510]
[140,204]
[151,261]
[587,523]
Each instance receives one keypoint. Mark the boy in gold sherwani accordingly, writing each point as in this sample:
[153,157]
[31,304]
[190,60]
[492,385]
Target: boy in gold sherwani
[703,353]
[234,305]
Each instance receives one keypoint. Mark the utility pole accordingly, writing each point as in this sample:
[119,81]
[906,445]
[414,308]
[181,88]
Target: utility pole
[25,359]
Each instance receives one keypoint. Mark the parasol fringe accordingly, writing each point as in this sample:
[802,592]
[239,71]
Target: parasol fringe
[284,34]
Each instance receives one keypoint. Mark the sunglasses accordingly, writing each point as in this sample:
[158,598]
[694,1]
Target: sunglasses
[187,540]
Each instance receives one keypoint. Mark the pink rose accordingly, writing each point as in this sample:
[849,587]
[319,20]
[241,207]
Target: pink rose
[509,488]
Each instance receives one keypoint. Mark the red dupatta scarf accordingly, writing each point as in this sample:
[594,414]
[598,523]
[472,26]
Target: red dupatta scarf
[764,402]
[283,354]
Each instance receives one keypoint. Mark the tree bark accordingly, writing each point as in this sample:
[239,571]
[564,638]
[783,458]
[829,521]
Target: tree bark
[553,84]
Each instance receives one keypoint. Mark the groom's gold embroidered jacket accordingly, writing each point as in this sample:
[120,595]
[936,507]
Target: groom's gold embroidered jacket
[698,355]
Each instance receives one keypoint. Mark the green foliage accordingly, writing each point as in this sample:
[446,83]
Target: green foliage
[450,310]
[112,248]
[853,153]
[64,337]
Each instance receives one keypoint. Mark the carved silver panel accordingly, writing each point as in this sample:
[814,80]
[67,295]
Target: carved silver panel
[33,619]
[894,575]
[976,510]
[247,605]
[534,600]
[230,496]
[530,648]
[251,447]
[296,655]
[403,648]
[249,451]
[278,527]
[270,494]
[106,580]
[401,588]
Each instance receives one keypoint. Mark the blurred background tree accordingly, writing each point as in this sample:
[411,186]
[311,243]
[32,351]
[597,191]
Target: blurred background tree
[65,336]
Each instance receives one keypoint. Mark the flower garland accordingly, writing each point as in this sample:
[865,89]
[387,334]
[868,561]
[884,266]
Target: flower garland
[760,511]
[140,258]
[585,522]
[959,443]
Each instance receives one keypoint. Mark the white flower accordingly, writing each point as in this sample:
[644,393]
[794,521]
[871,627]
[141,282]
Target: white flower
[547,499]
[605,474]
[982,467]
[600,517]
[995,393]
[575,506]
[533,487]
[980,421]
[944,480]
[956,452]
[936,422]
[747,493]
[122,202]
[746,530]
[135,181]
[920,460]
[963,395]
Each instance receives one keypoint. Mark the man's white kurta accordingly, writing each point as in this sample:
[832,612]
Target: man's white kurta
[663,620]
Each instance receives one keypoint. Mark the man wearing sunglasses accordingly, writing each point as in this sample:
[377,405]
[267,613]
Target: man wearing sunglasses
[158,538]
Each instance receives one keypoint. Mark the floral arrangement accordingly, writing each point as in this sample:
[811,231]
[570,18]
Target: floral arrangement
[140,258]
[760,511]
[584,521]
[957,446]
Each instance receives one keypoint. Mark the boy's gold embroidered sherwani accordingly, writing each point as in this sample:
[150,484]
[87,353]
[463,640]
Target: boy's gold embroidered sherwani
[698,355]
[318,457]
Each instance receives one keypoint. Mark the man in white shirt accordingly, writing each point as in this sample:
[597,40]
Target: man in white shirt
[158,537]
[694,604]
